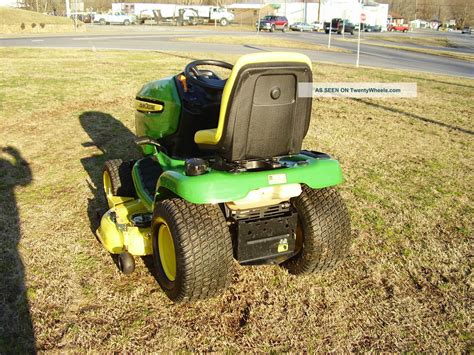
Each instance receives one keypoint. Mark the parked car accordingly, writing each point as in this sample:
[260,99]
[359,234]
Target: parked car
[317,26]
[466,30]
[399,28]
[272,23]
[346,26]
[301,26]
[332,25]
[114,18]
[371,28]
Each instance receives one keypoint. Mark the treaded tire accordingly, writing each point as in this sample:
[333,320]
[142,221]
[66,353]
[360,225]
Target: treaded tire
[203,249]
[120,173]
[326,231]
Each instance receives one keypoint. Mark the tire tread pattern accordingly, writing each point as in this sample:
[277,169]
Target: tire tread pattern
[204,254]
[326,228]
[120,177]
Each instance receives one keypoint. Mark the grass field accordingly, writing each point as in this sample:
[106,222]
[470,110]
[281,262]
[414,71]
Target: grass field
[408,163]
[439,52]
[261,40]
[419,40]
[15,21]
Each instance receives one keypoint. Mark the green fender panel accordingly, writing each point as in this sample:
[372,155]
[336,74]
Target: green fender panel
[158,124]
[220,186]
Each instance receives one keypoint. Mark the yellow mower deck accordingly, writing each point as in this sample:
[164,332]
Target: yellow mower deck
[117,232]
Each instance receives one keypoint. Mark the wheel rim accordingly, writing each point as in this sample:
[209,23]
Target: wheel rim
[107,187]
[167,252]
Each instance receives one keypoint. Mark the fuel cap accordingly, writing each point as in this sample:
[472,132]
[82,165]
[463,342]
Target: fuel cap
[196,166]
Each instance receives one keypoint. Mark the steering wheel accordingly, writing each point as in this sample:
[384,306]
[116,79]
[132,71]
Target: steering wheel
[206,78]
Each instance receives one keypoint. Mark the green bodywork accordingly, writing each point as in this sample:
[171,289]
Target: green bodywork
[218,186]
[215,186]
[165,123]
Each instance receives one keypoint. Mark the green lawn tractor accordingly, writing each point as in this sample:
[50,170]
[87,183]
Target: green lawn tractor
[224,178]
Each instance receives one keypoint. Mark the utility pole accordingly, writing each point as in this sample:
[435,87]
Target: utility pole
[68,9]
[305,11]
[258,19]
[319,11]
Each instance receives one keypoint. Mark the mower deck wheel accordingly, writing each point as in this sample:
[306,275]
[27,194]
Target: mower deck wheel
[323,233]
[126,263]
[192,249]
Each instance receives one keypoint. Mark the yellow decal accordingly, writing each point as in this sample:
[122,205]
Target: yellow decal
[283,245]
[148,107]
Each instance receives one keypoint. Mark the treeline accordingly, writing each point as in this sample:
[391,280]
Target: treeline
[443,10]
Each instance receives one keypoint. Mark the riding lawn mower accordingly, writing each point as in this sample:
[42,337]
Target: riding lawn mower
[223,177]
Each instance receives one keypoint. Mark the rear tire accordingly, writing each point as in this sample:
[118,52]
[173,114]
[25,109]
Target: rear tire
[324,231]
[272,29]
[202,247]
[102,21]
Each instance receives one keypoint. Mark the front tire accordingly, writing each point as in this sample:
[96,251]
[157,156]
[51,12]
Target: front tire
[117,179]
[323,231]
[192,250]
[102,21]
[224,22]
[272,29]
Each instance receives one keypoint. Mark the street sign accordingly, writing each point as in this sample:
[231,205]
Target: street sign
[362,17]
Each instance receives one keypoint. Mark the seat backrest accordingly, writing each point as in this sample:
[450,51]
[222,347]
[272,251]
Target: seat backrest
[261,115]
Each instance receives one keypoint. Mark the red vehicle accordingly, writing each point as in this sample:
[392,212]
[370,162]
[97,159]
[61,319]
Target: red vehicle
[400,28]
[272,23]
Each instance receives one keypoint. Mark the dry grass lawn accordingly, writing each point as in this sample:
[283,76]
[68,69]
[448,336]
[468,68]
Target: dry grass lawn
[419,40]
[15,21]
[260,39]
[439,52]
[405,287]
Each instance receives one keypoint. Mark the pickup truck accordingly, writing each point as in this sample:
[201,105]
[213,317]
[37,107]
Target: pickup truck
[116,17]
[400,28]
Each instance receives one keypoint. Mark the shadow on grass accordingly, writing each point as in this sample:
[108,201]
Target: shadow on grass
[417,117]
[16,329]
[256,48]
[115,141]
[431,81]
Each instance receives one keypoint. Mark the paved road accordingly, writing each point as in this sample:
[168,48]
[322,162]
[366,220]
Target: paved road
[163,39]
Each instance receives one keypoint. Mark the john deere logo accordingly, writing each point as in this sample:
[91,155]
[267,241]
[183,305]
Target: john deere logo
[148,107]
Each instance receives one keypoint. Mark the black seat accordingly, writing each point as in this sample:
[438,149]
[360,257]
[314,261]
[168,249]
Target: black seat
[261,115]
